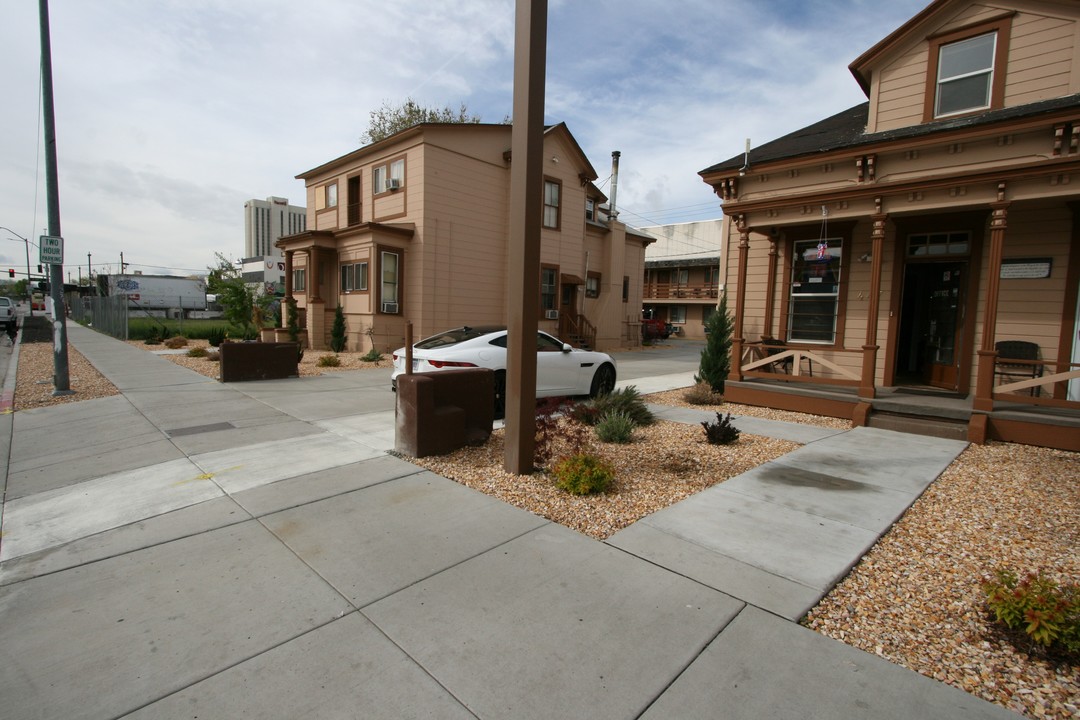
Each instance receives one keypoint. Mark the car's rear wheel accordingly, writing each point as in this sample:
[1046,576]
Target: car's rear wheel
[603,381]
[500,394]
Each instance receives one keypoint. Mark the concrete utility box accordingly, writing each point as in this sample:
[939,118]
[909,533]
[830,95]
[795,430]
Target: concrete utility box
[259,360]
[440,412]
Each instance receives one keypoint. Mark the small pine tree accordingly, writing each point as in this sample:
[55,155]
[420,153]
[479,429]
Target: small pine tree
[293,321]
[337,332]
[716,356]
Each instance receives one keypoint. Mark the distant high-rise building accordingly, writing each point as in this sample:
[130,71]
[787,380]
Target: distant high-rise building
[265,221]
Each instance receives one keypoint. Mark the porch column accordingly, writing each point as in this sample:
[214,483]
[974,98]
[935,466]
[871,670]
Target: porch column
[735,373]
[314,274]
[867,389]
[287,306]
[984,385]
[770,286]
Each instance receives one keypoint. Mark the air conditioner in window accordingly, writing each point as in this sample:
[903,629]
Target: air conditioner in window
[392,184]
[551,314]
[389,307]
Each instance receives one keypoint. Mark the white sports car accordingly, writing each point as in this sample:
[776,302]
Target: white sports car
[560,369]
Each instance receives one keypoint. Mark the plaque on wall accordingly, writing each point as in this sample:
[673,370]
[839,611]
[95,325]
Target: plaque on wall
[1026,268]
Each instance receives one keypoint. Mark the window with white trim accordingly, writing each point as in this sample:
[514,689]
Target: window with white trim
[299,279]
[815,290]
[965,75]
[389,282]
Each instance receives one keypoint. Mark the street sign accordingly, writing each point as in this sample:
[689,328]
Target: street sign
[52,250]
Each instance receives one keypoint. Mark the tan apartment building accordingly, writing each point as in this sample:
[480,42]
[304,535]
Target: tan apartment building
[925,244]
[682,275]
[414,228]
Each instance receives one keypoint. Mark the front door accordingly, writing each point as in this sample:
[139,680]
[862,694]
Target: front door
[929,351]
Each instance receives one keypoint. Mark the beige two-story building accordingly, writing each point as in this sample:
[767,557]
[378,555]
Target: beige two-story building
[414,228]
[918,255]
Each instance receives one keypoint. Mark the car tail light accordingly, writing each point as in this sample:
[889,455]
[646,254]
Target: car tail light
[448,364]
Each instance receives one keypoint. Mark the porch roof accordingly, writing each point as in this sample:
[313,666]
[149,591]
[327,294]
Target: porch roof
[847,130]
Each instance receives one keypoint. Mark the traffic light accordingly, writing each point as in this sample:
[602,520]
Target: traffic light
[11,272]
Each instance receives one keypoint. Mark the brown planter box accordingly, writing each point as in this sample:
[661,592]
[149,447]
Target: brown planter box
[440,412]
[259,361]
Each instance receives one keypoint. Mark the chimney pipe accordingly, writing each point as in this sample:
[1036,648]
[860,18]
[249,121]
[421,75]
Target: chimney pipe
[612,212]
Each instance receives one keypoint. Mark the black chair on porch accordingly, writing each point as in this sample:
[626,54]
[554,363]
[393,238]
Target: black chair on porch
[1018,350]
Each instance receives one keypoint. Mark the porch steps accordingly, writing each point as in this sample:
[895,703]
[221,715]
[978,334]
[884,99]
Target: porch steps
[940,427]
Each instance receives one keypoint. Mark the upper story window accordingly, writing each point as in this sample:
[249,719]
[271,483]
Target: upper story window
[965,75]
[590,209]
[967,70]
[331,195]
[552,190]
[388,176]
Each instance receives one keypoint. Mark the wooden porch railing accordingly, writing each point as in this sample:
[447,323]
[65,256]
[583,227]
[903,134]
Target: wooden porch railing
[675,291]
[1039,390]
[576,327]
[758,362]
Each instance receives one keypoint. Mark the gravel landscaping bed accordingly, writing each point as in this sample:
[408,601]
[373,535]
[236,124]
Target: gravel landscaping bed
[914,599]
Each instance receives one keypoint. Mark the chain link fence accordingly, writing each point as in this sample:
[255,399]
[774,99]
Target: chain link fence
[108,315]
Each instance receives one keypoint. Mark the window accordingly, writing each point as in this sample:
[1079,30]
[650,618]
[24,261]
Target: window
[549,286]
[967,70]
[592,285]
[952,243]
[354,201]
[965,74]
[388,176]
[712,276]
[354,277]
[331,195]
[815,290]
[626,288]
[590,209]
[299,279]
[677,314]
[389,282]
[551,203]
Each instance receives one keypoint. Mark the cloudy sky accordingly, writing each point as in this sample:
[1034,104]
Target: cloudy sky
[172,113]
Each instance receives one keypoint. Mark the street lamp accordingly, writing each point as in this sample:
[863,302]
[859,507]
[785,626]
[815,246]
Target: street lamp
[29,291]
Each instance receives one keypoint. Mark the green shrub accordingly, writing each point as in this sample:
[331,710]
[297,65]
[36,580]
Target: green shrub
[716,355]
[337,332]
[625,400]
[197,352]
[583,474]
[373,355]
[1048,613]
[721,432]
[616,427]
[328,361]
[176,342]
[216,335]
[702,394]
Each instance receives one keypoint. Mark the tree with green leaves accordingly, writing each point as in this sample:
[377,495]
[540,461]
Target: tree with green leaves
[716,355]
[390,119]
[241,306]
[337,332]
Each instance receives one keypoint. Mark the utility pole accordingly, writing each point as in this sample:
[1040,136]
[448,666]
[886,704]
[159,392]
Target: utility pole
[61,382]
[526,190]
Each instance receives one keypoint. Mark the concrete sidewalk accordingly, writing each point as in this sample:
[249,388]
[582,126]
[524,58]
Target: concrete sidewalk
[196,549]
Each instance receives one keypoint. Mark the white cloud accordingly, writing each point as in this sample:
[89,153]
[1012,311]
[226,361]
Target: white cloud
[170,114]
